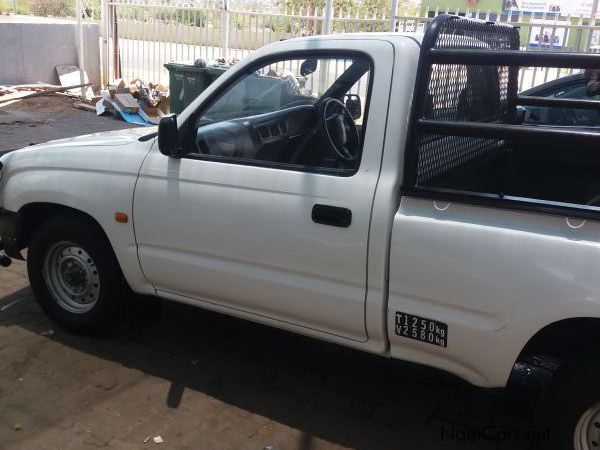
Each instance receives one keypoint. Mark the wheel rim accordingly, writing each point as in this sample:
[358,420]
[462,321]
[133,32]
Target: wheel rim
[72,277]
[587,431]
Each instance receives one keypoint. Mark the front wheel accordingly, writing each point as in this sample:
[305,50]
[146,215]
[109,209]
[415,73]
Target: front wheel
[74,274]
[569,408]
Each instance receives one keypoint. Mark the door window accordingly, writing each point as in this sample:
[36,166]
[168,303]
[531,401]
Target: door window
[296,113]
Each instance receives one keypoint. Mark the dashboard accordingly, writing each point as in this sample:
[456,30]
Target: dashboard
[274,136]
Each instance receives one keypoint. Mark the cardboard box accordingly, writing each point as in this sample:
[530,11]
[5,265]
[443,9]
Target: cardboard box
[127,103]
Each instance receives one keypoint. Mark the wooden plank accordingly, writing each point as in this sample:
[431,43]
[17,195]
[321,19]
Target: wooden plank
[40,93]
[85,106]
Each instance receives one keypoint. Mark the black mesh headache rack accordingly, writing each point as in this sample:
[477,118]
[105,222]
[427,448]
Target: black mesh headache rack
[467,141]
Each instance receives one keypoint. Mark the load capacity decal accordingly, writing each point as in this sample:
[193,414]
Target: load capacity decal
[420,329]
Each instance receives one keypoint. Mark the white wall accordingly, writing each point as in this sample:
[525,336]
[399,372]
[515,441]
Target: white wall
[30,51]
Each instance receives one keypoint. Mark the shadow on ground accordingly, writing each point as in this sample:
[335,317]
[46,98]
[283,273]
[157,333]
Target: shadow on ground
[343,396]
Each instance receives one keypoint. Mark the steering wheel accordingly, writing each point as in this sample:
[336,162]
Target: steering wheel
[339,127]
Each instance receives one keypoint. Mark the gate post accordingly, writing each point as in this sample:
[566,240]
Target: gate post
[80,52]
[327,25]
[104,48]
[393,13]
[225,28]
[592,24]
[114,24]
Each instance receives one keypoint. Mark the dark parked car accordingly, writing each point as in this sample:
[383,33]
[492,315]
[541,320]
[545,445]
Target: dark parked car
[571,87]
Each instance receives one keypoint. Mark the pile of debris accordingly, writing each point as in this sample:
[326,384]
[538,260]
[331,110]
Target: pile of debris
[5,90]
[136,102]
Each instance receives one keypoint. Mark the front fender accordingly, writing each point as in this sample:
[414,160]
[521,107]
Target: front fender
[99,194]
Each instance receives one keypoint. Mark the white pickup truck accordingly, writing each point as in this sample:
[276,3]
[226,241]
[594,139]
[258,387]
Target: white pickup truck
[379,191]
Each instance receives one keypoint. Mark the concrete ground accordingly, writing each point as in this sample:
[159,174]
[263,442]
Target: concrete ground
[41,119]
[200,380]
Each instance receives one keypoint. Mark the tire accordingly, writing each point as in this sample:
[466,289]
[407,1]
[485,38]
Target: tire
[84,290]
[569,408]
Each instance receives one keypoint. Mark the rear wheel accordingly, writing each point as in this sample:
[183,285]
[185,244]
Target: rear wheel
[74,274]
[570,407]
[587,430]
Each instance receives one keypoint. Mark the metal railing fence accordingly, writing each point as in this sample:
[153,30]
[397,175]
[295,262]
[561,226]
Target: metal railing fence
[140,36]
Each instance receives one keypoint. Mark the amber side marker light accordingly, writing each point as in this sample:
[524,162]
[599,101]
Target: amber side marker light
[121,217]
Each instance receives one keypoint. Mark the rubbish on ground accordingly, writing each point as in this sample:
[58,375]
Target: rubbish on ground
[117,86]
[84,106]
[150,94]
[34,87]
[47,91]
[151,114]
[17,426]
[70,75]
[127,103]
[8,305]
[147,439]
[137,102]
[4,90]
[158,439]
[47,333]
[128,117]
[100,107]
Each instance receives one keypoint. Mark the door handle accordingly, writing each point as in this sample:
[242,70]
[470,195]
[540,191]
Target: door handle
[335,216]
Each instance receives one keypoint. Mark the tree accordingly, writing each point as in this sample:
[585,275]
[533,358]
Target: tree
[52,7]
[371,9]
[363,8]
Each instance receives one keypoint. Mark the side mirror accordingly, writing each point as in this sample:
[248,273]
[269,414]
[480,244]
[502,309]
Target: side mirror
[353,105]
[308,67]
[168,137]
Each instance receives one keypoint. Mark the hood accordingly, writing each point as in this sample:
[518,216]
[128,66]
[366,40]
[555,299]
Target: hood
[102,139]
[106,138]
[112,151]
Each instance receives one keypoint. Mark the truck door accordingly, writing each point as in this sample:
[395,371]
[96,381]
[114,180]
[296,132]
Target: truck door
[268,211]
